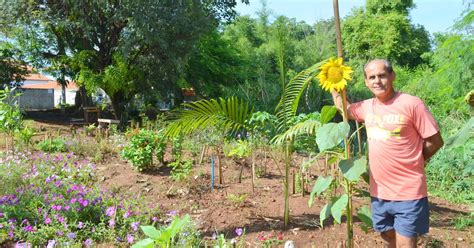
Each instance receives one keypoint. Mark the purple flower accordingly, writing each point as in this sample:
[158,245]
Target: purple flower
[111,223]
[51,243]
[22,245]
[172,213]
[129,238]
[73,200]
[154,218]
[80,225]
[58,183]
[239,231]
[1,226]
[71,235]
[84,202]
[88,242]
[127,214]
[60,233]
[56,207]
[1,215]
[110,211]
[47,221]
[66,208]
[60,218]
[28,228]
[134,226]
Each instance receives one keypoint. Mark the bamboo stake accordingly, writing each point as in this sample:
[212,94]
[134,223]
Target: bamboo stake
[350,234]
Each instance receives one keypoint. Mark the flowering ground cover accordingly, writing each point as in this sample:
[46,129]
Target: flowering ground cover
[55,200]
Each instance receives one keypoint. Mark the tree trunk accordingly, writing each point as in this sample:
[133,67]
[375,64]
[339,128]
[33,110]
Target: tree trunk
[85,99]
[118,104]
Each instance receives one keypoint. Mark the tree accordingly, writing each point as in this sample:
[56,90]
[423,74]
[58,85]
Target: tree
[384,7]
[12,69]
[154,37]
[215,63]
[385,33]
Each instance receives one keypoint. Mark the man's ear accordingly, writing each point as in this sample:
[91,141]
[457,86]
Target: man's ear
[394,76]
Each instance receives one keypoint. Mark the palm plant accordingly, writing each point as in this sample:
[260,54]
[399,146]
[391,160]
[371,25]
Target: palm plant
[285,111]
[230,116]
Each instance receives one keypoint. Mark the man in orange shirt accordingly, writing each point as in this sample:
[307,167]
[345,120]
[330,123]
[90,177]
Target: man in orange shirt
[402,136]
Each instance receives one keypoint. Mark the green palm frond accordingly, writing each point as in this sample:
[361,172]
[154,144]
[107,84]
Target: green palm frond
[227,114]
[306,127]
[290,99]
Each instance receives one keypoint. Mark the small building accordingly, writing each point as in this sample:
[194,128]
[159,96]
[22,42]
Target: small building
[42,92]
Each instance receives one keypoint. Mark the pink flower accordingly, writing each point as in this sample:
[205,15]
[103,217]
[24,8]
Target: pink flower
[280,236]
[51,243]
[130,238]
[134,226]
[110,211]
[111,223]
[29,229]
[239,231]
[84,202]
[88,242]
[47,221]
[127,214]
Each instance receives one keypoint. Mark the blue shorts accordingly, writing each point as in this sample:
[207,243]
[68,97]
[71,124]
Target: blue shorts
[409,218]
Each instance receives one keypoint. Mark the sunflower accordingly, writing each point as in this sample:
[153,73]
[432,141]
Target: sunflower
[333,75]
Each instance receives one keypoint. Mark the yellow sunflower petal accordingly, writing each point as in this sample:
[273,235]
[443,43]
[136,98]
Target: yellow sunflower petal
[334,75]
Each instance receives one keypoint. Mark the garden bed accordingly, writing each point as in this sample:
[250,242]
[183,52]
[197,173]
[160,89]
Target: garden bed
[257,210]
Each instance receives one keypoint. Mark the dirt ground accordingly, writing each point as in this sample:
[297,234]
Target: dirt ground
[259,210]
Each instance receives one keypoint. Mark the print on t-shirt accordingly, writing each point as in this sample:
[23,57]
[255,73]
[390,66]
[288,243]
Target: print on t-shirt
[382,128]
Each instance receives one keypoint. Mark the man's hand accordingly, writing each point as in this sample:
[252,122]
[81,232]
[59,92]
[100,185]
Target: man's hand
[337,99]
[431,145]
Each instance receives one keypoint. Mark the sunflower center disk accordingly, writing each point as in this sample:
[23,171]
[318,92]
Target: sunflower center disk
[334,74]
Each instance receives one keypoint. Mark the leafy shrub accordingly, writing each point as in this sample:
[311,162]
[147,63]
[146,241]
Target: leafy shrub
[52,145]
[177,147]
[25,135]
[141,148]
[11,120]
[180,169]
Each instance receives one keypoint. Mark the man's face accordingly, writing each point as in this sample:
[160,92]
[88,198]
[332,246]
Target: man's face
[379,80]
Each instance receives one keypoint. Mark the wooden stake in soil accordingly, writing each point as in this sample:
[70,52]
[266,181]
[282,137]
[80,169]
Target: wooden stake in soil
[203,150]
[241,171]
[293,175]
[302,182]
[212,173]
[253,172]
[221,179]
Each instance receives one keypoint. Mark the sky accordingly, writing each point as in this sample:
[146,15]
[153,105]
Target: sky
[434,15]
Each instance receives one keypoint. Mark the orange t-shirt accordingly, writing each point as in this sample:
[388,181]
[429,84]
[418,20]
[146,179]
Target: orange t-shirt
[395,133]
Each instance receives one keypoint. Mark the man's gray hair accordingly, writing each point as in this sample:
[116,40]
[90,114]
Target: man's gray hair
[387,64]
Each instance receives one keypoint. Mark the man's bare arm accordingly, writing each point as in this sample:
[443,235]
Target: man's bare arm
[337,99]
[431,145]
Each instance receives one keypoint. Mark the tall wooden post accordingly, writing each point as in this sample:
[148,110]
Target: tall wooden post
[350,234]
